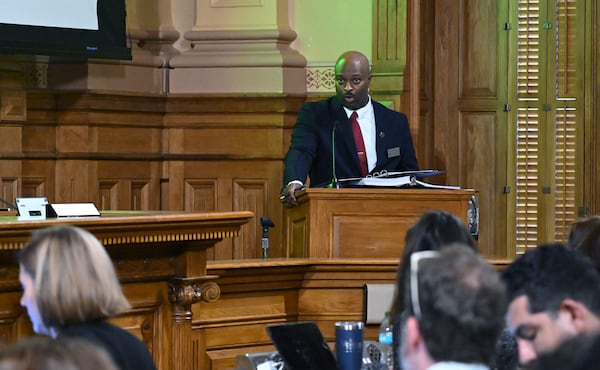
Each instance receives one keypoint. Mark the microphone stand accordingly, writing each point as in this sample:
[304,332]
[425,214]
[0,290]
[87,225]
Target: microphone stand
[10,205]
[334,181]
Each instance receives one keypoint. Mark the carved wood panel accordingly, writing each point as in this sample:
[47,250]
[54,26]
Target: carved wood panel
[469,96]
[201,195]
[250,194]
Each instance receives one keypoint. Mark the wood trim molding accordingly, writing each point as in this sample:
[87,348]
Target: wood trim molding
[129,227]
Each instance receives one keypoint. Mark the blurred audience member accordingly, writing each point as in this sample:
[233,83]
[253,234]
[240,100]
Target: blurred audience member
[506,356]
[45,353]
[577,353]
[70,288]
[432,231]
[455,306]
[554,295]
[584,237]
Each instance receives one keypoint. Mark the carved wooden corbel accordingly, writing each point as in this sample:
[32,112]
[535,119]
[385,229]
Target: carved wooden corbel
[184,292]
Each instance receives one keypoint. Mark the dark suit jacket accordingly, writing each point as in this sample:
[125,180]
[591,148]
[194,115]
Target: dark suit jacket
[310,152]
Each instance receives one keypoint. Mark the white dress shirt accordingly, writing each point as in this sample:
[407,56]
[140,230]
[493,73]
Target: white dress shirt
[366,121]
[449,365]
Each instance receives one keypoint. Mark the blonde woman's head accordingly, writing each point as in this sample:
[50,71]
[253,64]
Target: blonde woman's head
[68,278]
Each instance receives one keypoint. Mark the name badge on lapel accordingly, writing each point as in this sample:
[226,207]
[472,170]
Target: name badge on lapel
[393,152]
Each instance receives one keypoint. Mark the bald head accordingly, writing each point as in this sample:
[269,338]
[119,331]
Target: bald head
[355,58]
[353,77]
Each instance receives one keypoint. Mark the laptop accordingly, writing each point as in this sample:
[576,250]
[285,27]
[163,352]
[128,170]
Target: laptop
[302,346]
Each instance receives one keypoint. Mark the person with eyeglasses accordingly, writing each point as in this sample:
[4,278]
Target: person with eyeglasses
[554,295]
[348,135]
[434,230]
[454,311]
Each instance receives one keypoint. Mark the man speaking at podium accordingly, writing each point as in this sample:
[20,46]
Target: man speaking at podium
[348,135]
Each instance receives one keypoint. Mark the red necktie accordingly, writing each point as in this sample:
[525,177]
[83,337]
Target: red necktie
[360,144]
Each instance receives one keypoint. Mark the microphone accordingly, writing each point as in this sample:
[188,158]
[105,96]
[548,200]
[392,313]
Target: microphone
[334,181]
[266,223]
[10,205]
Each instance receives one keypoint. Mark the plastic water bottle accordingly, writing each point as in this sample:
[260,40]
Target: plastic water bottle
[386,338]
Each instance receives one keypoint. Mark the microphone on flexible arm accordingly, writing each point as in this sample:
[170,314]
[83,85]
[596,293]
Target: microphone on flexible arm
[334,181]
[10,205]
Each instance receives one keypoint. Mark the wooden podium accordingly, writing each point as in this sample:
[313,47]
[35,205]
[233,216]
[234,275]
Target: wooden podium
[362,222]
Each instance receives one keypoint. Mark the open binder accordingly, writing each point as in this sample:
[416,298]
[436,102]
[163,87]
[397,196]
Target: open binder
[404,179]
[408,181]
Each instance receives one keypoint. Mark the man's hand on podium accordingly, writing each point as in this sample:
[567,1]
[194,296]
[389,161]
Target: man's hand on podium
[288,194]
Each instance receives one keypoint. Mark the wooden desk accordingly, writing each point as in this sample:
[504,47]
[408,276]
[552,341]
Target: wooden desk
[256,293]
[160,258]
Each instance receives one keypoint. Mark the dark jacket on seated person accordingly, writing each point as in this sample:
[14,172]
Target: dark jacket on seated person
[127,351]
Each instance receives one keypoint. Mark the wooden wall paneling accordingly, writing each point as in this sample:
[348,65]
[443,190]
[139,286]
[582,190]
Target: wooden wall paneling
[174,197]
[255,294]
[10,138]
[8,185]
[13,105]
[38,179]
[134,140]
[33,187]
[128,185]
[127,195]
[388,59]
[251,298]
[108,194]
[249,185]
[72,131]
[446,47]
[470,92]
[250,194]
[423,15]
[483,94]
[480,164]
[10,165]
[127,142]
[105,107]
[140,195]
[201,195]
[220,147]
[136,151]
[14,322]
[445,69]
[226,358]
[72,181]
[39,140]
[243,142]
[150,311]
[390,43]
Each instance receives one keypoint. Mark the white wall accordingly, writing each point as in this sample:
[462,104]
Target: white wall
[327,28]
